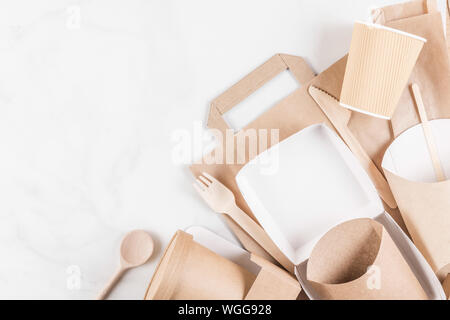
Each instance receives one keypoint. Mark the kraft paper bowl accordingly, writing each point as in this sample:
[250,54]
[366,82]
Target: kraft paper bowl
[379,65]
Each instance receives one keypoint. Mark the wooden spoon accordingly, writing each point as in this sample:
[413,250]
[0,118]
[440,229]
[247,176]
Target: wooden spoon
[440,175]
[136,248]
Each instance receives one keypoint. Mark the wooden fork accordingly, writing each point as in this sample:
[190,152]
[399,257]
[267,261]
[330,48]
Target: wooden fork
[221,200]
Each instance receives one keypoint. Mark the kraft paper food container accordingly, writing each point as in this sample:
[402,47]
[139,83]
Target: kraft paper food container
[357,260]
[318,185]
[379,65]
[423,202]
[191,271]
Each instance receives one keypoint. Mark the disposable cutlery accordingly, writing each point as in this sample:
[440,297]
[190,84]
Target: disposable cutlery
[327,103]
[136,248]
[222,200]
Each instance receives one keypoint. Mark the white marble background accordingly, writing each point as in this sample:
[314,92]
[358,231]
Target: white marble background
[91,94]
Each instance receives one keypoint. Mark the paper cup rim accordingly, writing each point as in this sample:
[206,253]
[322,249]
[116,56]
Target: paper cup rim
[379,26]
[365,112]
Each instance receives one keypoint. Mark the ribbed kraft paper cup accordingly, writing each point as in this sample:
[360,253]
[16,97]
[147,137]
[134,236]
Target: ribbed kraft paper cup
[379,65]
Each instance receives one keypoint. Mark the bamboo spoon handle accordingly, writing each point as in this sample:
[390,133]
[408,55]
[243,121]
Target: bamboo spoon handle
[440,176]
[112,282]
[260,236]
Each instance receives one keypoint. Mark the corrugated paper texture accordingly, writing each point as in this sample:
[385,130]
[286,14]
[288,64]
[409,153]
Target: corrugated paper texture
[378,67]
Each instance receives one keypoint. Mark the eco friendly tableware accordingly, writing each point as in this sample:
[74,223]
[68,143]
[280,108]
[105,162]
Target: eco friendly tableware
[298,110]
[440,175]
[328,105]
[222,200]
[190,271]
[423,200]
[223,247]
[318,185]
[446,285]
[379,64]
[135,250]
[358,260]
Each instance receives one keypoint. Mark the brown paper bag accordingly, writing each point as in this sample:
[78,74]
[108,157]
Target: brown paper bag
[423,205]
[289,116]
[432,71]
[357,260]
[189,271]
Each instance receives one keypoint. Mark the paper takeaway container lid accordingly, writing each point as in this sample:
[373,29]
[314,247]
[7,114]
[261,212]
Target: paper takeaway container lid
[307,184]
[358,260]
[423,202]
[191,271]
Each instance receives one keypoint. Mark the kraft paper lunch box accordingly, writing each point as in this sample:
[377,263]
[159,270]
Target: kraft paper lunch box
[319,185]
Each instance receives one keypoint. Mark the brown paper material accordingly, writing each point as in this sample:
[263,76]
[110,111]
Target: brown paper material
[403,10]
[376,52]
[357,260]
[292,114]
[425,208]
[448,25]
[189,271]
[298,110]
[432,71]
[446,286]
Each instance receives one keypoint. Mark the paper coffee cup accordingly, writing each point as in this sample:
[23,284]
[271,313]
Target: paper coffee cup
[379,65]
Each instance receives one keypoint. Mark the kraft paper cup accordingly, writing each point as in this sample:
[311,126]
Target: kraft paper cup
[189,271]
[358,260]
[379,65]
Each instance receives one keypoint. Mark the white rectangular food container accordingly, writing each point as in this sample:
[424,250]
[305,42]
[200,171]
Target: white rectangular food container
[318,184]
